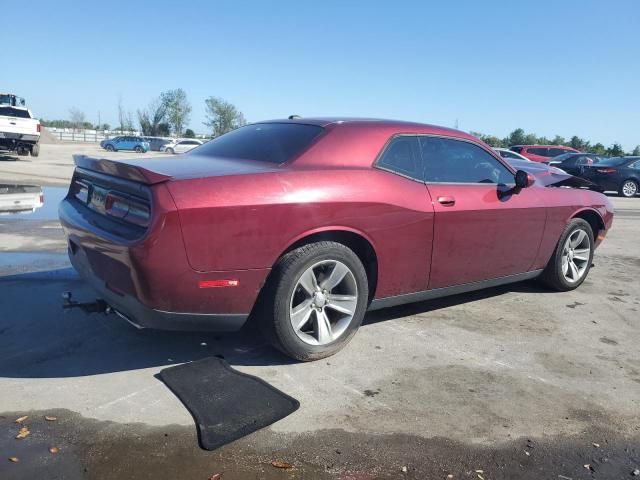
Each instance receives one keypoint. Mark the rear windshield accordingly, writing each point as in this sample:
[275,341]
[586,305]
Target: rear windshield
[14,112]
[613,161]
[516,149]
[266,142]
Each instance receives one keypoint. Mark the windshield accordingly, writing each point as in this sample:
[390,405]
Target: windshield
[563,157]
[266,142]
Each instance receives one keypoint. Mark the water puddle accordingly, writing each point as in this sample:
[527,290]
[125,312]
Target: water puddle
[30,202]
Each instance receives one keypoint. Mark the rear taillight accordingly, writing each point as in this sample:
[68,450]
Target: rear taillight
[127,209]
[80,191]
[606,170]
[39,128]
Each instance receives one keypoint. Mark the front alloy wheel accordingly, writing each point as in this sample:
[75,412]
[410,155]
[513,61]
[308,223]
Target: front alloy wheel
[571,260]
[576,255]
[323,302]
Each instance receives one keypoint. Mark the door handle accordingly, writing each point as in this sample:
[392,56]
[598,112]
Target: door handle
[447,201]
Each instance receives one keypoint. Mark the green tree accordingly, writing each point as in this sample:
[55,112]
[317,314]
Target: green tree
[222,116]
[188,133]
[579,144]
[598,149]
[178,109]
[636,151]
[530,139]
[558,140]
[517,137]
[615,150]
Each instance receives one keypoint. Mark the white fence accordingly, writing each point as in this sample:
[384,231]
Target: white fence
[94,136]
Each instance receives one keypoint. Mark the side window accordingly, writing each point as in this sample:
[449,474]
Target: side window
[457,161]
[554,152]
[538,151]
[402,156]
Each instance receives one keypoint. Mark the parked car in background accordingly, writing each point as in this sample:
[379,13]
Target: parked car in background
[510,154]
[619,174]
[541,153]
[574,163]
[20,198]
[156,143]
[534,167]
[137,144]
[317,220]
[181,146]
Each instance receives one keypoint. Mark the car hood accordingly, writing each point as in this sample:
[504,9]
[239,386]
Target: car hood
[162,169]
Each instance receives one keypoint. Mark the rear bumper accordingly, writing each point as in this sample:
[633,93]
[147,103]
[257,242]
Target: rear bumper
[135,312]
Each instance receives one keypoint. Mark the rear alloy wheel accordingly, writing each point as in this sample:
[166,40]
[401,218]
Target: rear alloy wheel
[629,188]
[138,149]
[109,148]
[170,151]
[318,296]
[572,258]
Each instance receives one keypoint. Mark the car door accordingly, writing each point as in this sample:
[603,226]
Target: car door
[126,143]
[180,147]
[482,228]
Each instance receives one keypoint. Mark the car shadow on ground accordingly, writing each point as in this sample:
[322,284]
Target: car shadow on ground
[8,158]
[39,340]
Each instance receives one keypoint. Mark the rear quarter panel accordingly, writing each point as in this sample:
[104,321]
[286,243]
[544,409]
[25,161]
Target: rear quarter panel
[247,221]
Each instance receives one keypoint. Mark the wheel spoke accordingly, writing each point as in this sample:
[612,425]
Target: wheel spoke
[581,254]
[309,282]
[343,303]
[565,265]
[578,239]
[336,276]
[323,328]
[300,315]
[574,270]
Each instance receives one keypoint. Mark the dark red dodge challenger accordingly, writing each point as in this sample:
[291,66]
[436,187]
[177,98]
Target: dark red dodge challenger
[307,223]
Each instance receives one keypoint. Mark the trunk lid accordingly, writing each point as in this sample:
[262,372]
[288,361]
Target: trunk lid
[154,170]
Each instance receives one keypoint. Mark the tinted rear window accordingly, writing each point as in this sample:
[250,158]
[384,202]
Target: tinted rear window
[14,112]
[613,161]
[517,149]
[266,142]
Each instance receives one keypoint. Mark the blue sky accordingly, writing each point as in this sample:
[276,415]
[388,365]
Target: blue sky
[550,67]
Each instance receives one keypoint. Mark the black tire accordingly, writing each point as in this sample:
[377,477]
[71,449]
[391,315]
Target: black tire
[553,275]
[21,151]
[109,148]
[35,150]
[275,304]
[631,189]
[170,151]
[138,149]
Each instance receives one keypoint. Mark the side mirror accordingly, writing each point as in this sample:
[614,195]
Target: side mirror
[523,179]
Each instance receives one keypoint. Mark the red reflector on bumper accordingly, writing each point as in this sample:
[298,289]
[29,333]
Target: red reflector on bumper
[218,283]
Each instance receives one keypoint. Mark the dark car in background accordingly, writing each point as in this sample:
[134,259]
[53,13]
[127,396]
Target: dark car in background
[575,163]
[620,174]
[541,153]
[156,143]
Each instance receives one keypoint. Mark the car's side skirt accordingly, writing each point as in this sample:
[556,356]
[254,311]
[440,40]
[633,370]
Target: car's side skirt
[379,303]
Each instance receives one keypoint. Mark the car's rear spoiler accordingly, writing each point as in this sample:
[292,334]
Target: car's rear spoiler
[120,169]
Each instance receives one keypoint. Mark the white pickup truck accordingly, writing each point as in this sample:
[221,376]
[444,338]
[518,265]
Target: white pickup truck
[19,131]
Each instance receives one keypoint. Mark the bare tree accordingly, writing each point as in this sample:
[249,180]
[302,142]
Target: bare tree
[178,108]
[77,117]
[152,117]
[121,112]
[222,116]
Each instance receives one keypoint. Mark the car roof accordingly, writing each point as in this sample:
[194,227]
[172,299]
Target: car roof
[548,146]
[378,124]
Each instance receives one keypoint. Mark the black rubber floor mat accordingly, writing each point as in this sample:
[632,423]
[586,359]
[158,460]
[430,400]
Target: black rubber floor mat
[226,404]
